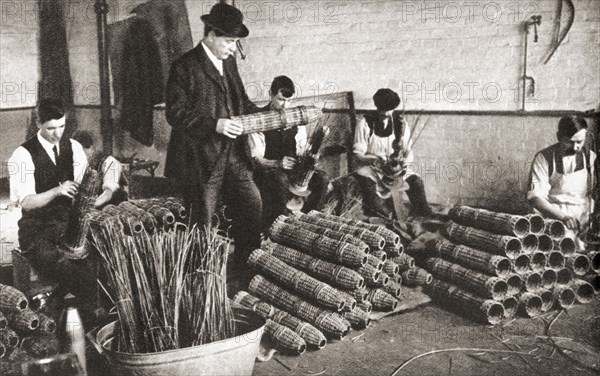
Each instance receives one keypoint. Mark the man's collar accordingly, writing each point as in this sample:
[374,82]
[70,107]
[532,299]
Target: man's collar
[45,143]
[218,63]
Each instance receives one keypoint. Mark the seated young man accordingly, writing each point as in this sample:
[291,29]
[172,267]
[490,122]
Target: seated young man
[562,177]
[275,154]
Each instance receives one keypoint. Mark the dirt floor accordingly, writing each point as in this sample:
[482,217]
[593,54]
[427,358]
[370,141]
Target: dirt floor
[432,341]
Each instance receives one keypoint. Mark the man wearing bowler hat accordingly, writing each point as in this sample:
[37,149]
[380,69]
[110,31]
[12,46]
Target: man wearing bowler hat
[208,157]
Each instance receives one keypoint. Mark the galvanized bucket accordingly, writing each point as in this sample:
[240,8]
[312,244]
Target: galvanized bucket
[233,356]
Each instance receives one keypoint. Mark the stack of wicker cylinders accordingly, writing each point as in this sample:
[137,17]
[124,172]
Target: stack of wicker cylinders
[147,219]
[500,223]
[485,310]
[296,281]
[281,119]
[331,324]
[163,216]
[311,335]
[324,231]
[503,245]
[473,258]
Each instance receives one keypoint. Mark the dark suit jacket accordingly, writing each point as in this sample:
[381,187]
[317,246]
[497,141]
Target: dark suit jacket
[196,99]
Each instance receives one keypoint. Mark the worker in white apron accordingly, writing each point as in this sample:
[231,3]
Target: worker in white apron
[562,178]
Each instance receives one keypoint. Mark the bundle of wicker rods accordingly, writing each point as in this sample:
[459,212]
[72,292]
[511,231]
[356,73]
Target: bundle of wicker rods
[381,300]
[325,231]
[281,119]
[472,258]
[11,299]
[330,323]
[391,238]
[494,222]
[77,229]
[334,274]
[358,318]
[416,277]
[450,296]
[296,281]
[374,241]
[481,284]
[311,335]
[323,247]
[498,244]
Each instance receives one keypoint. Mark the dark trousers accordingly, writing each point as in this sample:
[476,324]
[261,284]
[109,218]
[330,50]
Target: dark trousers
[418,198]
[235,188]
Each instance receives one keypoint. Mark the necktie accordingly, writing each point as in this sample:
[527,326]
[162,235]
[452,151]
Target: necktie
[55,150]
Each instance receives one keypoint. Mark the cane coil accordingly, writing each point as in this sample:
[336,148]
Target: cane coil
[452,297]
[11,299]
[350,301]
[296,280]
[473,258]
[358,318]
[500,223]
[393,250]
[594,280]
[416,277]
[316,245]
[286,118]
[555,260]
[374,241]
[503,245]
[481,284]
[563,277]
[381,300]
[530,243]
[331,324]
[337,275]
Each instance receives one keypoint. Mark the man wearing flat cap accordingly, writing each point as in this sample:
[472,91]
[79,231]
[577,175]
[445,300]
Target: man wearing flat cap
[377,138]
[208,157]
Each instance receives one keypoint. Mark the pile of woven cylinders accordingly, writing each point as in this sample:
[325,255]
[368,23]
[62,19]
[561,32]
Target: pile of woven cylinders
[320,275]
[491,266]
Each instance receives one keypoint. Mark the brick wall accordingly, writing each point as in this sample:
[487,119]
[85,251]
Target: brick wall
[440,55]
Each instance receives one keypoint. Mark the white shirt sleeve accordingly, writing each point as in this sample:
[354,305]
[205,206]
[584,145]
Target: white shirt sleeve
[79,161]
[111,172]
[21,175]
[539,185]
[361,136]
[257,144]
[301,140]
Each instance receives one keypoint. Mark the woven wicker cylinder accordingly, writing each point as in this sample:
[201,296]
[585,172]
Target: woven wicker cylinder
[393,250]
[285,340]
[390,237]
[296,281]
[578,263]
[473,258]
[584,292]
[545,243]
[9,338]
[510,304]
[359,295]
[281,119]
[537,224]
[374,241]
[537,261]
[555,229]
[375,262]
[75,234]
[555,260]
[130,222]
[176,207]
[381,300]
[404,262]
[416,277]
[47,324]
[41,345]
[11,299]
[358,318]
[380,254]
[547,299]
[369,273]
[564,296]
[532,281]
[382,281]
[316,245]
[481,284]
[548,279]
[563,277]
[499,223]
[391,268]
[486,241]
[594,280]
[514,283]
[594,258]
[530,243]
[566,246]
[350,302]
[452,297]
[331,324]
[365,306]
[3,321]
[324,231]
[337,275]
[147,219]
[25,320]
[162,216]
[394,289]
[521,263]
[530,304]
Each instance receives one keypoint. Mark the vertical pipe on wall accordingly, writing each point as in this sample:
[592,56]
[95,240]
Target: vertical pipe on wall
[101,8]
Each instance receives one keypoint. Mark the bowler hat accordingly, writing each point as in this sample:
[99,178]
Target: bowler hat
[226,19]
[386,99]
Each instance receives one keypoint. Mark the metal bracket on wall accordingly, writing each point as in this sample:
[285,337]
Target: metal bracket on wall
[534,21]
